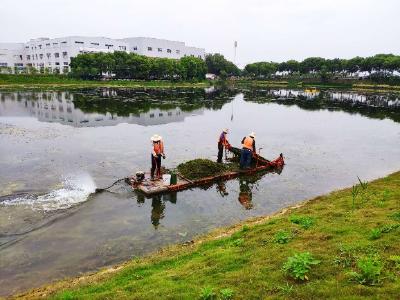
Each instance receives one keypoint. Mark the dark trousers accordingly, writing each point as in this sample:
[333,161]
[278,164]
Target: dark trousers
[220,152]
[155,164]
[245,158]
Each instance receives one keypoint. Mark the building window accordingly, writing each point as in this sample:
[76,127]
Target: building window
[20,57]
[26,47]
[3,64]
[65,54]
[65,63]
[95,44]
[48,45]
[41,56]
[149,49]
[55,44]
[28,57]
[56,55]
[40,46]
[78,42]
[151,115]
[199,56]
[109,46]
[159,49]
[64,42]
[178,51]
[57,63]
[122,47]
[135,48]
[169,51]
[160,114]
[48,55]
[36,56]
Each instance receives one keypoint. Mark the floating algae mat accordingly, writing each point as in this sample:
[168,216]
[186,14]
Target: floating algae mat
[199,168]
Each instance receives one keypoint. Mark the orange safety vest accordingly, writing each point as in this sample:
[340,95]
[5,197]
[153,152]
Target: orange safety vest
[158,147]
[248,143]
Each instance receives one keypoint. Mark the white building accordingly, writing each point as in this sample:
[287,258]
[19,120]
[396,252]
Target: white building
[54,55]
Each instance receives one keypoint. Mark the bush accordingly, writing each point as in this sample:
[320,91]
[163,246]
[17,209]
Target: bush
[298,265]
[370,269]
[208,293]
[375,234]
[282,237]
[304,221]
[226,294]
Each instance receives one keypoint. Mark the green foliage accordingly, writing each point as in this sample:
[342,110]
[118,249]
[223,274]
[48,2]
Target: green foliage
[383,65]
[298,265]
[207,293]
[395,259]
[286,289]
[396,216]
[219,65]
[304,221]
[282,237]
[124,65]
[375,234]
[369,270]
[226,294]
[237,242]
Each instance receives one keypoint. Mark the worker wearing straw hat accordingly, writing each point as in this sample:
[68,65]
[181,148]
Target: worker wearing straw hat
[157,153]
[248,148]
[222,142]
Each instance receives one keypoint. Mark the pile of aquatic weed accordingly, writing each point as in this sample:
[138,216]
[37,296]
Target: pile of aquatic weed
[199,168]
[338,246]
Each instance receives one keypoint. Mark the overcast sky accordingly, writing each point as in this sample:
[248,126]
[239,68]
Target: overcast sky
[269,30]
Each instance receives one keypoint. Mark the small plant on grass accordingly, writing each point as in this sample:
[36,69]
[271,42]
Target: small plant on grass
[396,216]
[298,265]
[226,294]
[370,269]
[354,193]
[375,234]
[207,293]
[286,289]
[245,228]
[364,186]
[396,261]
[304,221]
[282,237]
[238,242]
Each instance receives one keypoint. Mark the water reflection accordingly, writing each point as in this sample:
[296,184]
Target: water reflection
[108,107]
[372,105]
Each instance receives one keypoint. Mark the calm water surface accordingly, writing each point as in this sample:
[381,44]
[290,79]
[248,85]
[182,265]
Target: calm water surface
[57,147]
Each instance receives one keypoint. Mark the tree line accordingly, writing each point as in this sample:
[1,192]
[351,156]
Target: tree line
[122,65]
[383,65]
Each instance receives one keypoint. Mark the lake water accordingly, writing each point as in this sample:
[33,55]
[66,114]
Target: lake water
[57,147]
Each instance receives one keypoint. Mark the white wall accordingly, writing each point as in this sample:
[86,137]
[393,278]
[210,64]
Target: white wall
[55,54]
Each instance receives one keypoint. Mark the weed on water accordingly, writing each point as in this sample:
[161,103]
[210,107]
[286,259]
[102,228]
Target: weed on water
[207,293]
[298,265]
[226,294]
[369,270]
[282,237]
[304,221]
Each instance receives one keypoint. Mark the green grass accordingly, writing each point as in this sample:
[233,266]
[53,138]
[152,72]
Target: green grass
[326,242]
[8,81]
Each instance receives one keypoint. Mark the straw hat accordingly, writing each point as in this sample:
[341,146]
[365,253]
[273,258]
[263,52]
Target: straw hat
[156,138]
[225,130]
[253,135]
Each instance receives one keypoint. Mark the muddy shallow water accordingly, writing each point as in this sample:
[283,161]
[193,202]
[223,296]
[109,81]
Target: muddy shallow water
[57,147]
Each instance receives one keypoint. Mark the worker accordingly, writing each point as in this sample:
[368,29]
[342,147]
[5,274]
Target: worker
[157,153]
[248,148]
[222,142]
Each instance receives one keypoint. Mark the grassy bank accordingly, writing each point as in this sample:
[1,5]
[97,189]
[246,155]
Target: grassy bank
[351,237]
[349,84]
[54,81]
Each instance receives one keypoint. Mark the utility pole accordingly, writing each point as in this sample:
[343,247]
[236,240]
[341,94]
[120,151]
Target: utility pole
[234,52]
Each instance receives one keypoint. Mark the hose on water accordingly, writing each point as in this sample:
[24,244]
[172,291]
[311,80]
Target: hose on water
[99,190]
